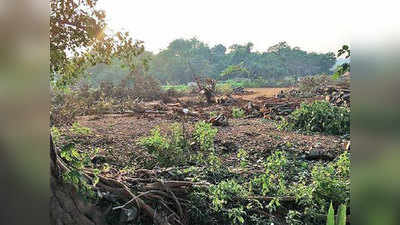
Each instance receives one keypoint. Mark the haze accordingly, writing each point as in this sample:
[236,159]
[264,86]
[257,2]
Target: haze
[315,26]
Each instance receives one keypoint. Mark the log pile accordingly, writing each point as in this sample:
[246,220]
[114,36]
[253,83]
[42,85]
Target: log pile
[337,95]
[276,107]
[139,195]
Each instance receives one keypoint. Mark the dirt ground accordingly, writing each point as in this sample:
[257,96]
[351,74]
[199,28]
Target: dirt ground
[262,92]
[255,134]
[118,134]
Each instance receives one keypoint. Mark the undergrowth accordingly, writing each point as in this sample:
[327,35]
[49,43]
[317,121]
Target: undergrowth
[237,113]
[298,191]
[173,148]
[319,116]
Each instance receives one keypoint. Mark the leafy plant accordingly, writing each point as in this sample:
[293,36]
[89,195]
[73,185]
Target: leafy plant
[80,130]
[274,181]
[78,161]
[214,163]
[237,112]
[319,116]
[204,134]
[213,114]
[168,149]
[243,155]
[341,216]
[55,133]
[345,67]
[224,192]
[332,182]
[236,215]
[330,218]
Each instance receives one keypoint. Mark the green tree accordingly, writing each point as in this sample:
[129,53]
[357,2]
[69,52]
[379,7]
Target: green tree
[79,39]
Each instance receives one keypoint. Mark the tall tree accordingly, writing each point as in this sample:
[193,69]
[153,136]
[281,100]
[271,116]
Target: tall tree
[78,40]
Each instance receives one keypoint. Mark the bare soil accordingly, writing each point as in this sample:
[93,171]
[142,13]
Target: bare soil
[118,134]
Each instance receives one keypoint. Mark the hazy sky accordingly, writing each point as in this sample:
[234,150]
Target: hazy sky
[319,26]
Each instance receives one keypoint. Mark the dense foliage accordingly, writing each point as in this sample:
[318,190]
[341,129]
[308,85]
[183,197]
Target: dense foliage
[173,148]
[319,116]
[79,39]
[299,191]
[183,59]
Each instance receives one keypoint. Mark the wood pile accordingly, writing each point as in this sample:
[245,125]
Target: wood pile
[279,107]
[337,95]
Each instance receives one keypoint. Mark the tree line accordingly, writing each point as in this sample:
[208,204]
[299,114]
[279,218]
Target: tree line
[184,59]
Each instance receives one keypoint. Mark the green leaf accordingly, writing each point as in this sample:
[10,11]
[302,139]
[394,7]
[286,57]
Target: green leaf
[330,219]
[341,219]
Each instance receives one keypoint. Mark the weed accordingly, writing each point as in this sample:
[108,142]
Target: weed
[237,112]
[80,130]
[214,163]
[204,134]
[243,156]
[168,151]
[55,133]
[213,114]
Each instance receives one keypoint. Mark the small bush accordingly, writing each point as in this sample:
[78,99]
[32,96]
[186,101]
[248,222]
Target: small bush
[237,113]
[204,134]
[319,116]
[168,149]
[243,155]
[223,195]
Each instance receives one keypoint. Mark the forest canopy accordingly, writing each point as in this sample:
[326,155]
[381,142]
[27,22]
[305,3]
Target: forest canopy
[185,58]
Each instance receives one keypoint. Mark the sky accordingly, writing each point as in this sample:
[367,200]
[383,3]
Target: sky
[313,25]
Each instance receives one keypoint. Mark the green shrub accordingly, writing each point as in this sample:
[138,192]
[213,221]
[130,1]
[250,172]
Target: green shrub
[332,182]
[237,113]
[319,116]
[274,181]
[55,133]
[213,114]
[75,175]
[168,149]
[223,195]
[204,134]
[80,130]
[243,155]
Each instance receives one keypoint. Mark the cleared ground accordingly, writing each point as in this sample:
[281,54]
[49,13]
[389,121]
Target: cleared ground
[262,92]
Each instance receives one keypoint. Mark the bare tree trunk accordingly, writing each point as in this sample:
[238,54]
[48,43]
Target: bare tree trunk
[67,207]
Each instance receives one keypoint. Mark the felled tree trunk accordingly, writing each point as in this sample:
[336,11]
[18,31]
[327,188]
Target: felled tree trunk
[67,207]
